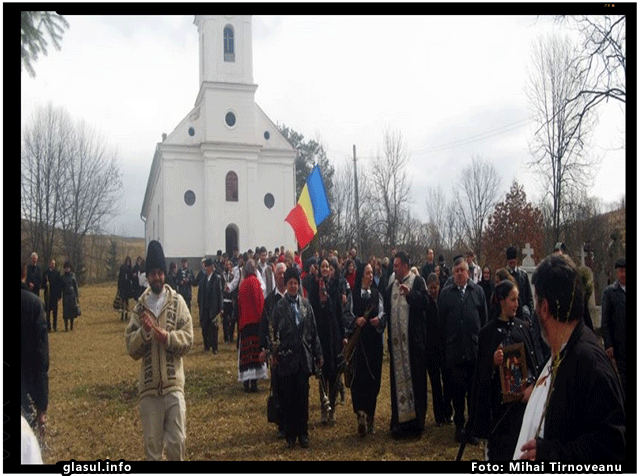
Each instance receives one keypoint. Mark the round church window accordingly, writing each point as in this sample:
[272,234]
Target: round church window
[189,197]
[230,119]
[192,131]
[267,135]
[269,201]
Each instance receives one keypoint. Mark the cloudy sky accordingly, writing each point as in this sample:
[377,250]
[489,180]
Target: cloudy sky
[453,85]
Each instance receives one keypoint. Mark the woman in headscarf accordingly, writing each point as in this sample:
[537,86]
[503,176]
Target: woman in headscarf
[364,335]
[250,306]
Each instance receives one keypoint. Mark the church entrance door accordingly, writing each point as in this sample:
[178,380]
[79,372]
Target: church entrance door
[231,239]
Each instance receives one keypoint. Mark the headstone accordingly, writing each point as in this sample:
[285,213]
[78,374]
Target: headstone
[528,261]
[528,264]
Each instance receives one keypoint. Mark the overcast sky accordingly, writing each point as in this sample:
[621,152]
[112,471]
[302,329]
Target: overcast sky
[453,85]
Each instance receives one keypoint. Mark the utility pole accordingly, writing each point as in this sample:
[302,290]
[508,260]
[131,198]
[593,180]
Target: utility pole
[355,179]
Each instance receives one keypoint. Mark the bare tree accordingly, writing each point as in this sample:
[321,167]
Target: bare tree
[91,190]
[475,195]
[601,61]
[436,206]
[343,206]
[45,150]
[70,181]
[392,187]
[558,144]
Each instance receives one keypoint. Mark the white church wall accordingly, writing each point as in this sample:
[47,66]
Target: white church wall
[238,101]
[203,148]
[189,132]
[235,213]
[275,178]
[183,228]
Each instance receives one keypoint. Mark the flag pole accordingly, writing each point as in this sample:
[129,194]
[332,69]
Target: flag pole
[355,179]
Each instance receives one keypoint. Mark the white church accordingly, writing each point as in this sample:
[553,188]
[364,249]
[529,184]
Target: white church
[225,176]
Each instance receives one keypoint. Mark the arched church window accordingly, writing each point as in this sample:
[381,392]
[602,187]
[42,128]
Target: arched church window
[229,50]
[232,187]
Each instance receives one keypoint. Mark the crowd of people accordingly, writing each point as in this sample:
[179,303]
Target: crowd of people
[329,316]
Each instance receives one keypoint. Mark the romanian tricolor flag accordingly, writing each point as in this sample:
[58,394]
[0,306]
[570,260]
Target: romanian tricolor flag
[311,210]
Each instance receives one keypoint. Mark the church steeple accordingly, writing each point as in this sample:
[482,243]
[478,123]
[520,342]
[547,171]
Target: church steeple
[225,48]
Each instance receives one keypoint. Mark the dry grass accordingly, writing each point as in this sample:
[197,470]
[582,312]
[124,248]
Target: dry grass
[94,414]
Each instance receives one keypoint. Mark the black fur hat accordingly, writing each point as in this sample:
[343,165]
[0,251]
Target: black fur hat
[155,257]
[291,272]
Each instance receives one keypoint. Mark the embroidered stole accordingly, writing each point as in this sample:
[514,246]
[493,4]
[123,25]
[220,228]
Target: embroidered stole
[401,364]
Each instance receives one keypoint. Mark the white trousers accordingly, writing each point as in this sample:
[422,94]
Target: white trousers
[164,420]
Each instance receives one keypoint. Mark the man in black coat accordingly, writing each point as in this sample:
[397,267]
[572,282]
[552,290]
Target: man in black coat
[34,358]
[614,320]
[429,267]
[185,279]
[435,352]
[52,284]
[463,311]
[210,306]
[578,395]
[34,275]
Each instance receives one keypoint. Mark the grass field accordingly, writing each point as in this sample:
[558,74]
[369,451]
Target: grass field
[94,413]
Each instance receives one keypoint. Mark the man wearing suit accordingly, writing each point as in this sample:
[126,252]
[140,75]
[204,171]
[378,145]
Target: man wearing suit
[463,312]
[211,306]
[614,320]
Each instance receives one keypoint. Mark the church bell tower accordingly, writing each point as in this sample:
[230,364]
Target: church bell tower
[227,92]
[225,49]
[225,176]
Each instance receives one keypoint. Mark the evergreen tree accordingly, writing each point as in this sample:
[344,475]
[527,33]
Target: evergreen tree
[35,27]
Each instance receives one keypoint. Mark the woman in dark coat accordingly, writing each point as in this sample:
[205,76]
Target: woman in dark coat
[69,296]
[368,321]
[125,286]
[498,421]
[296,351]
[488,286]
[327,303]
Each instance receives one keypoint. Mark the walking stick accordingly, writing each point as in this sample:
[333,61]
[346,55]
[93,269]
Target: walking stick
[326,404]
